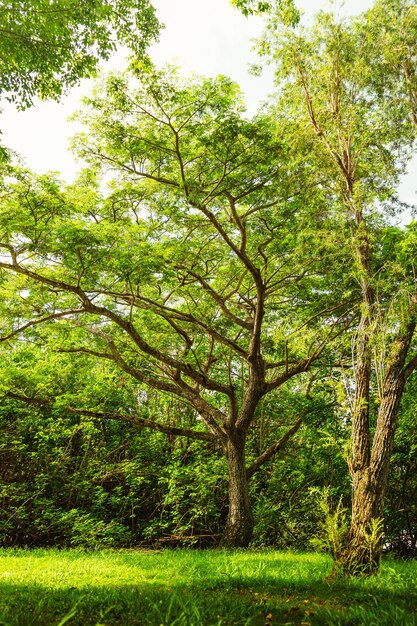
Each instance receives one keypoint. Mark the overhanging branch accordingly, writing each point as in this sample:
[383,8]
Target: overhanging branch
[140,421]
[124,417]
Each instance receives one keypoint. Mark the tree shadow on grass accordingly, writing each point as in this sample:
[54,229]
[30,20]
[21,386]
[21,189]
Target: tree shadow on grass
[229,600]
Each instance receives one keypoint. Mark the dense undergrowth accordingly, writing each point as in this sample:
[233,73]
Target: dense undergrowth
[197,588]
[71,482]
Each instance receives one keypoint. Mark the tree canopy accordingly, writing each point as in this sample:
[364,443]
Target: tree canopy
[184,274]
[47,46]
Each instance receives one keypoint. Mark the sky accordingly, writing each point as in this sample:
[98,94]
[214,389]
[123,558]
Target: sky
[200,36]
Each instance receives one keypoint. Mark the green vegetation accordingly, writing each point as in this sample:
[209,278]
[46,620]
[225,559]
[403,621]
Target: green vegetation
[216,323]
[193,588]
[47,46]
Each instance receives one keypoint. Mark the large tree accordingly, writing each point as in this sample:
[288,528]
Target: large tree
[350,87]
[193,273]
[46,46]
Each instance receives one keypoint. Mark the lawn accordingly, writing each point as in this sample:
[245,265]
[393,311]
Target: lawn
[184,587]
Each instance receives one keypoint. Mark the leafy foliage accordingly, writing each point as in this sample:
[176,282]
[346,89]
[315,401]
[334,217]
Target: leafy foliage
[48,45]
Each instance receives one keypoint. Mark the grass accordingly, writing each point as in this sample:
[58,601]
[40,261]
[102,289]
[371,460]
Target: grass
[193,588]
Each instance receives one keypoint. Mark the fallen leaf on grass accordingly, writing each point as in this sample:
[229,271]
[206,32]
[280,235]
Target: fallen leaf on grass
[292,610]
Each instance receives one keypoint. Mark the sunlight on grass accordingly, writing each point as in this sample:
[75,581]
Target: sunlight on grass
[183,588]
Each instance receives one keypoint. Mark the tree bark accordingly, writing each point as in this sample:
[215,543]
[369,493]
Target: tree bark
[362,553]
[238,531]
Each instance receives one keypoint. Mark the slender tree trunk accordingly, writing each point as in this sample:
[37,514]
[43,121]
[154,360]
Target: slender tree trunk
[239,526]
[362,553]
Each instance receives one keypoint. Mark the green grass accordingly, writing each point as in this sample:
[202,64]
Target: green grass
[184,588]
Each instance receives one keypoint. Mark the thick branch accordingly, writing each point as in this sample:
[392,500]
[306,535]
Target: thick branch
[126,325]
[179,388]
[238,221]
[392,392]
[100,355]
[275,448]
[411,95]
[132,419]
[242,256]
[301,366]
[40,402]
[140,421]
[347,174]
[170,314]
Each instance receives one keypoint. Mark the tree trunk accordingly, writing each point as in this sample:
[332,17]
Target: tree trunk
[362,553]
[239,526]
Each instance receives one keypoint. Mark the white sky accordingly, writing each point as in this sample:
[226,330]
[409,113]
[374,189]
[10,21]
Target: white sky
[205,37]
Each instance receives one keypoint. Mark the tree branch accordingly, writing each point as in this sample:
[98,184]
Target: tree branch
[179,388]
[217,298]
[126,325]
[124,417]
[275,448]
[301,366]
[40,321]
[410,367]
[140,421]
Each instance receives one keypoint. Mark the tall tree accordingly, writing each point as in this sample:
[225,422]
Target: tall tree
[46,46]
[350,86]
[186,273]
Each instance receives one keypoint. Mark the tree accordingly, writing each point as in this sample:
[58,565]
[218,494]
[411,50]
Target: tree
[185,274]
[46,46]
[351,87]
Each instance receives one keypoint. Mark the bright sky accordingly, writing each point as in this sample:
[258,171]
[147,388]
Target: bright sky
[205,37]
